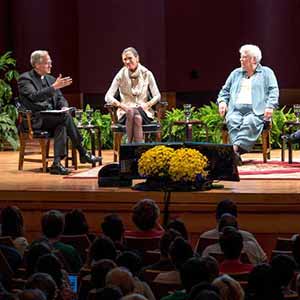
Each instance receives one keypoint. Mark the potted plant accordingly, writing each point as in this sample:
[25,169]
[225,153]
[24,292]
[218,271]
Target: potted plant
[8,112]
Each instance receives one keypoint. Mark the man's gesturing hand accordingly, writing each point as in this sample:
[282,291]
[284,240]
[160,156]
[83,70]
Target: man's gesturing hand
[61,82]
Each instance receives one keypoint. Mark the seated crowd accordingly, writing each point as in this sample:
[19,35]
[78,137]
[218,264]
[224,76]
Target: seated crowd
[110,266]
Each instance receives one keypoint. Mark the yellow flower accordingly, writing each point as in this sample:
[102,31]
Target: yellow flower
[181,165]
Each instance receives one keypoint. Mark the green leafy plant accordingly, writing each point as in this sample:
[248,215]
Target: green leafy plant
[8,112]
[279,117]
[103,121]
[208,114]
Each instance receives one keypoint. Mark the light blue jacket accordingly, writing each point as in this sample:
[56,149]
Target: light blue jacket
[265,92]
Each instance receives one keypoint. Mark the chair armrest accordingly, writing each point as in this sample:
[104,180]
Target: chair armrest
[113,113]
[160,108]
[25,116]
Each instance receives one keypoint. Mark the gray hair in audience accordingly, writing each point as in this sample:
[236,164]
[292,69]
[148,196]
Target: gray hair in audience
[253,51]
[37,56]
[134,297]
[229,288]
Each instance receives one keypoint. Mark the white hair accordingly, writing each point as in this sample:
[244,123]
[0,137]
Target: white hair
[253,51]
[132,50]
[37,56]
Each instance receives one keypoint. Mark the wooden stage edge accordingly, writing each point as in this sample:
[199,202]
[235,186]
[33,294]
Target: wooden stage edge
[268,208]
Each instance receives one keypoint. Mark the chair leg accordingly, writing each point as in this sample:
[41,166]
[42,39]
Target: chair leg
[43,144]
[116,145]
[264,145]
[290,152]
[22,152]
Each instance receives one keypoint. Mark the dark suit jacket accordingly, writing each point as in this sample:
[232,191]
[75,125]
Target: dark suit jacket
[36,97]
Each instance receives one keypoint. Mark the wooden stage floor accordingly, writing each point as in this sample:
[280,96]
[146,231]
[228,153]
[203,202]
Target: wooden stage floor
[266,207]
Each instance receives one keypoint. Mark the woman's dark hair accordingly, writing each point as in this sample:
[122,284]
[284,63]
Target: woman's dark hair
[180,251]
[113,227]
[101,248]
[99,270]
[12,222]
[52,223]
[75,223]
[131,261]
[283,267]
[35,251]
[51,265]
[166,240]
[145,214]
[179,226]
[44,282]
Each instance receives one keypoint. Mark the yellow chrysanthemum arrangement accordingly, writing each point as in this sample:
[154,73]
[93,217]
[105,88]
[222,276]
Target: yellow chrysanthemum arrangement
[155,162]
[184,164]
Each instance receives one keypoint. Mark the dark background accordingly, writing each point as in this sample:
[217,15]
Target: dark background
[190,46]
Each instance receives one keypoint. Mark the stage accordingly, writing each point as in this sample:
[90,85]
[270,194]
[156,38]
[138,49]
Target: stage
[268,208]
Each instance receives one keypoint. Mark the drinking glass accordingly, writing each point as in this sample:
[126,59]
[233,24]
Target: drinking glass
[296,108]
[89,114]
[78,115]
[187,108]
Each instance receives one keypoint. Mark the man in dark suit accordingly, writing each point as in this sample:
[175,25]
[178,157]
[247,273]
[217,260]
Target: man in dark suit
[39,91]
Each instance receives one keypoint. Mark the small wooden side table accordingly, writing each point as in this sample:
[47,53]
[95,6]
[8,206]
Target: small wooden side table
[95,133]
[189,128]
[288,128]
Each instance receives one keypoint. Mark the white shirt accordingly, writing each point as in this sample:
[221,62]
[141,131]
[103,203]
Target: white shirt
[245,95]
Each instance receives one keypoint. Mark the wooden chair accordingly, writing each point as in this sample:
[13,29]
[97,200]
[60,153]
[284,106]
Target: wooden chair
[6,240]
[265,144]
[220,257]
[27,135]
[80,242]
[142,243]
[149,275]
[203,243]
[281,252]
[119,130]
[284,244]
[150,257]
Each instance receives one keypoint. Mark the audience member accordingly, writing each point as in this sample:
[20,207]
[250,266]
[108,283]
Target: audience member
[145,216]
[99,270]
[52,228]
[133,263]
[165,263]
[13,226]
[212,266]
[229,288]
[134,297]
[282,269]
[33,294]
[76,223]
[228,206]
[101,248]
[35,251]
[252,249]
[260,284]
[113,227]
[204,291]
[51,265]
[192,272]
[121,278]
[106,293]
[45,283]
[180,251]
[179,226]
[231,243]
